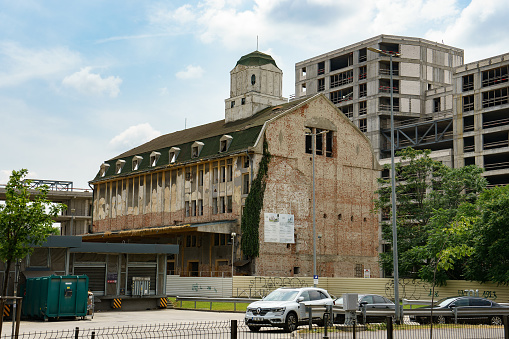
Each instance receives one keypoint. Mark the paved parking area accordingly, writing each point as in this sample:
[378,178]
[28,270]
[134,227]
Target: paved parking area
[120,318]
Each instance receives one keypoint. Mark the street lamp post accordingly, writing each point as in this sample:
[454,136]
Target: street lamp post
[393,188]
[233,250]
[308,131]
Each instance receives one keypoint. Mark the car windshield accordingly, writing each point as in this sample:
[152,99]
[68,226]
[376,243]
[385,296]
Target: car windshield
[281,295]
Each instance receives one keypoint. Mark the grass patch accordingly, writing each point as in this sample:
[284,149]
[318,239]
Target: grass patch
[205,305]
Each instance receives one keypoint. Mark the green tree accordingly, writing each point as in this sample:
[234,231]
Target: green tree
[428,195]
[25,221]
[490,258]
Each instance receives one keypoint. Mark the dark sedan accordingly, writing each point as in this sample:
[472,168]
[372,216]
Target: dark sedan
[370,302]
[466,307]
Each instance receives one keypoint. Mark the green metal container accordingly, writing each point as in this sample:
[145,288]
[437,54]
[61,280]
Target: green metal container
[56,296]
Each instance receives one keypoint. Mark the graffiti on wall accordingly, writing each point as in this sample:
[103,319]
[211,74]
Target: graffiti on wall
[418,290]
[409,289]
[261,286]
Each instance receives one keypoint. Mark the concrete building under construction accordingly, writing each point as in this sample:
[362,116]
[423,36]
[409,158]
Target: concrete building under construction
[457,110]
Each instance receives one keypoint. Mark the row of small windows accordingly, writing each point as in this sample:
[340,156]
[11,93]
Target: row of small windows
[224,144]
[489,98]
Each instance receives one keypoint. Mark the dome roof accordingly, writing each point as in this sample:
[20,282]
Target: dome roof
[256,58]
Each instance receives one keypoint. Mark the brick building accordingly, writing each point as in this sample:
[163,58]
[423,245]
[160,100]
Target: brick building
[189,187]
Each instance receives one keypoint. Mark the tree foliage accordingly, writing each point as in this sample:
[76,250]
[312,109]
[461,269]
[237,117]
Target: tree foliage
[489,240]
[25,221]
[429,195]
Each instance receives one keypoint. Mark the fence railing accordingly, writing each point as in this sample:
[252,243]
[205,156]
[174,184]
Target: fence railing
[235,329]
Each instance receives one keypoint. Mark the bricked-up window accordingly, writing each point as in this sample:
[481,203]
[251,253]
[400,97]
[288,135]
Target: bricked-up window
[193,208]
[215,173]
[324,142]
[222,205]
[200,207]
[200,177]
[359,270]
[222,171]
[214,206]
[229,170]
[188,212]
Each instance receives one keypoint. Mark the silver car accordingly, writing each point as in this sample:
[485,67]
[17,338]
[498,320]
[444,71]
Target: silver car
[286,308]
[369,302]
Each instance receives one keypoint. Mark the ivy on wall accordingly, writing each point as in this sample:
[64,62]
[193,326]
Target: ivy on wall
[250,221]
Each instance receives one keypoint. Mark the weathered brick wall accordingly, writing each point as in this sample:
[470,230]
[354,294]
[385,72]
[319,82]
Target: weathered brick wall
[345,185]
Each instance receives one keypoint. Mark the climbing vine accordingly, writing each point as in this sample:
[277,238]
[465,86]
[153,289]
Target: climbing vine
[254,202]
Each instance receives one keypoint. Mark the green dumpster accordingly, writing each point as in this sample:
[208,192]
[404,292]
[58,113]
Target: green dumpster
[56,296]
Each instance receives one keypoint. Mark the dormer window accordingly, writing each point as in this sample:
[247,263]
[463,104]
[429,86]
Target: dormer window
[225,142]
[136,162]
[196,149]
[119,165]
[174,153]
[103,169]
[154,157]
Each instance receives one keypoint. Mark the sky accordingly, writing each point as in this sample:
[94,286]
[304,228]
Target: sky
[83,81]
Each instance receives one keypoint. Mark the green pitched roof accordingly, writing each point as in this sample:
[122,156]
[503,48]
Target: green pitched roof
[244,134]
[256,58]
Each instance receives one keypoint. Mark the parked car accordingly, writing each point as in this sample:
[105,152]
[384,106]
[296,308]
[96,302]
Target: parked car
[286,308]
[370,302]
[463,304]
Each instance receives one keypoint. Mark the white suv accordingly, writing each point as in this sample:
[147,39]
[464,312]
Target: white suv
[286,308]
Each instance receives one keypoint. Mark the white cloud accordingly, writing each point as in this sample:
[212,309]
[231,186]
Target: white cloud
[20,64]
[191,72]
[134,136]
[5,175]
[478,30]
[91,83]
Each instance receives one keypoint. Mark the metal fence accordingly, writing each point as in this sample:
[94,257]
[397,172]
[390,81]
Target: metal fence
[237,330]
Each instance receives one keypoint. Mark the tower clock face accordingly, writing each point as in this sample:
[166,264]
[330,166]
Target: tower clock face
[253,79]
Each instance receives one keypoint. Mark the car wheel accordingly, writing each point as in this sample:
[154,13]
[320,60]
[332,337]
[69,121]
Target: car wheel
[291,322]
[441,319]
[254,328]
[496,320]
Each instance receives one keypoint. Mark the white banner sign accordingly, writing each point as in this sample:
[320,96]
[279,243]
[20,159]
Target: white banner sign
[279,228]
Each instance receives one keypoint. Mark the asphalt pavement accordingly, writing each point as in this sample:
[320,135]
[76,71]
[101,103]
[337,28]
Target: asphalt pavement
[125,318]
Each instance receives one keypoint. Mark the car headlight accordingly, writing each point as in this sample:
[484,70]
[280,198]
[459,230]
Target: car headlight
[278,310]
[250,309]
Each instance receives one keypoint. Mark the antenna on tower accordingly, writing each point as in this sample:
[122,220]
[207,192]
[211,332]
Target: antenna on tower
[257,42]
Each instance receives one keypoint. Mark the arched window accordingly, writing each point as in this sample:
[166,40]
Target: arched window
[253,79]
